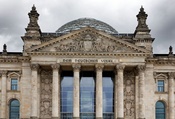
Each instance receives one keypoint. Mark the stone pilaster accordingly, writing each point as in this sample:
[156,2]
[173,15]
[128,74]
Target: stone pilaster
[34,81]
[56,91]
[141,70]
[171,95]
[4,94]
[115,95]
[120,92]
[99,91]
[76,91]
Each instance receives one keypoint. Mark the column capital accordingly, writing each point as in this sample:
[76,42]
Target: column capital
[99,67]
[141,68]
[34,66]
[171,75]
[3,72]
[55,66]
[76,67]
[120,67]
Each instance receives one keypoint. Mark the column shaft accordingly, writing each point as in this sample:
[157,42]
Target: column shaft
[34,109]
[171,95]
[3,95]
[55,91]
[99,92]
[115,96]
[120,92]
[141,69]
[76,91]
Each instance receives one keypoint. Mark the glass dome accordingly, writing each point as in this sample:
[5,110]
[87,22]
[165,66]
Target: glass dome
[84,22]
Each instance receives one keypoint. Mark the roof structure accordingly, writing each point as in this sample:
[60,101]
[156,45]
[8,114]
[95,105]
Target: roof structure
[86,22]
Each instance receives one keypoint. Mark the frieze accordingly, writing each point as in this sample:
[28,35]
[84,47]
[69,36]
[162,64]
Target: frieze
[86,60]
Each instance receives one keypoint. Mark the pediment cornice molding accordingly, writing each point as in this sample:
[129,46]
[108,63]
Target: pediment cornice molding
[88,54]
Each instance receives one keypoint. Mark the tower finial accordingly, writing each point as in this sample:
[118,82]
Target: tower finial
[141,18]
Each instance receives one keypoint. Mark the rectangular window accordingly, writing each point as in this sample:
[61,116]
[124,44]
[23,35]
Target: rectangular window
[14,84]
[160,86]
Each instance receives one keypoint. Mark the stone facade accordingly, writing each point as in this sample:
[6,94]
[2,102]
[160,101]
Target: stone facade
[45,56]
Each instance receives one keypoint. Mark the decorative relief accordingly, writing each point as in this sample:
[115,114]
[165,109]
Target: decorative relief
[129,95]
[46,94]
[89,43]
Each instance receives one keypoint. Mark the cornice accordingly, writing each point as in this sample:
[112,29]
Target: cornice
[88,54]
[163,61]
[12,59]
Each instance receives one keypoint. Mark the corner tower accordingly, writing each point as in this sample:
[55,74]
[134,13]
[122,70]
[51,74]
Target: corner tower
[33,32]
[142,34]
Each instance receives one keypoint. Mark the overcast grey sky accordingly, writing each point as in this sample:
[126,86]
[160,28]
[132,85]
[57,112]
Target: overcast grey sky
[120,14]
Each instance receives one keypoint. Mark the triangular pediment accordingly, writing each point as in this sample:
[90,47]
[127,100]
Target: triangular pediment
[88,40]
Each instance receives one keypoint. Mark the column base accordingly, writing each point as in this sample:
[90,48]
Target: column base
[55,118]
[33,117]
[76,117]
[120,118]
[141,118]
[99,118]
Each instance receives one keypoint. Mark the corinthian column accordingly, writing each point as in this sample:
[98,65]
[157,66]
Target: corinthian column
[171,95]
[3,94]
[141,69]
[120,92]
[99,92]
[76,93]
[55,92]
[115,95]
[34,78]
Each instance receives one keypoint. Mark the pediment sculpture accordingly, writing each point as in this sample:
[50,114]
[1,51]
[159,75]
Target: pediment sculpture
[89,44]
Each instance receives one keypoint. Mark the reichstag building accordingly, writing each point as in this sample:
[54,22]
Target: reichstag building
[87,70]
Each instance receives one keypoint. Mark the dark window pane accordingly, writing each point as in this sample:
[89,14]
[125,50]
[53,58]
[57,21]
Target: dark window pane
[160,85]
[14,109]
[14,84]
[87,92]
[66,95]
[160,110]
[108,94]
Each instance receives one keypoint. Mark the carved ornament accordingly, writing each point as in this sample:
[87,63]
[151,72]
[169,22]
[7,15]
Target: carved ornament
[3,72]
[55,66]
[76,67]
[120,67]
[171,75]
[129,95]
[34,66]
[141,68]
[99,67]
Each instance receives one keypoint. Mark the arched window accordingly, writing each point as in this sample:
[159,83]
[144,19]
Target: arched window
[14,109]
[87,95]
[66,95]
[108,95]
[160,110]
